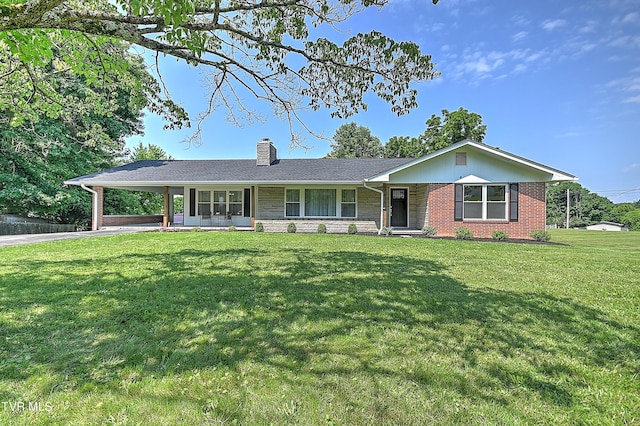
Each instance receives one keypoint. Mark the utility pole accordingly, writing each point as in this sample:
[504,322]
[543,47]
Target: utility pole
[568,206]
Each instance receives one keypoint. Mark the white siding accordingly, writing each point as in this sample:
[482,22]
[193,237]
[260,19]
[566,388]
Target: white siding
[443,169]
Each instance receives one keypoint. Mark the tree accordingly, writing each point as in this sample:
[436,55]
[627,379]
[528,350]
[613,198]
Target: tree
[631,220]
[441,132]
[451,128]
[353,141]
[403,147]
[247,47]
[148,152]
[37,155]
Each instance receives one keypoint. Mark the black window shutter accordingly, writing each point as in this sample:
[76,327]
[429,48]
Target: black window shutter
[192,201]
[459,195]
[247,202]
[513,202]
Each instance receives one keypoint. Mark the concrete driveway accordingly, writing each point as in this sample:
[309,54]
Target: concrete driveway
[14,240]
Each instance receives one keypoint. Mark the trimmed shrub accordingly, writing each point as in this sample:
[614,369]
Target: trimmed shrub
[196,229]
[232,229]
[540,235]
[463,233]
[322,229]
[259,227]
[291,228]
[429,231]
[499,235]
[353,229]
[386,231]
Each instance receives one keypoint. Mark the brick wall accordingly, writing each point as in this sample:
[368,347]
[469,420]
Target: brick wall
[121,220]
[531,211]
[100,207]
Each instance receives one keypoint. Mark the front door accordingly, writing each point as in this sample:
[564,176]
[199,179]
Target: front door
[399,198]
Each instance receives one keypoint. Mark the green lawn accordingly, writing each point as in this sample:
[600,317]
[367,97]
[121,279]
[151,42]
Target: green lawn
[247,328]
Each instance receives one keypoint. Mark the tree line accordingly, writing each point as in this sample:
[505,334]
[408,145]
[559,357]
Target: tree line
[354,141]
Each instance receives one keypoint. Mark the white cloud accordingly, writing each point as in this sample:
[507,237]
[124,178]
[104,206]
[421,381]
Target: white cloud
[551,25]
[631,17]
[632,100]
[519,36]
[589,27]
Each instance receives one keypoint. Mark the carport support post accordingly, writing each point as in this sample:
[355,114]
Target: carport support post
[165,215]
[96,206]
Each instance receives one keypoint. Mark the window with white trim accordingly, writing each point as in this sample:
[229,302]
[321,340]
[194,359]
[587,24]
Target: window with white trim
[485,202]
[348,203]
[320,202]
[204,203]
[235,202]
[292,202]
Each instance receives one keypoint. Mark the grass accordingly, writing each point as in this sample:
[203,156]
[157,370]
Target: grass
[251,328]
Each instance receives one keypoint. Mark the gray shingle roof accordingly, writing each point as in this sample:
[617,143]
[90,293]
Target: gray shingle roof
[155,172]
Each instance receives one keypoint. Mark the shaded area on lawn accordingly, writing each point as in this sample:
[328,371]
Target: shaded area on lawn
[305,314]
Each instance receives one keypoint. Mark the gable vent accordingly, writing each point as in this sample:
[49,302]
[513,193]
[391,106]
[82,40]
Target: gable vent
[461,158]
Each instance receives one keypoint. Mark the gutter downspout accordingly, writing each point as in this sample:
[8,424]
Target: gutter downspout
[381,204]
[94,207]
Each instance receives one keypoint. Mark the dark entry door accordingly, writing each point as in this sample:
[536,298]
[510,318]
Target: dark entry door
[399,207]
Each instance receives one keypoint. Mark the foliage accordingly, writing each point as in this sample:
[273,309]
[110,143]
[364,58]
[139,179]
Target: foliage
[259,227]
[404,147]
[246,48]
[463,233]
[429,231]
[42,149]
[352,229]
[387,231]
[72,77]
[322,229]
[232,229]
[180,328]
[452,127]
[631,220]
[291,228]
[499,235]
[540,235]
[353,141]
[150,151]
[585,208]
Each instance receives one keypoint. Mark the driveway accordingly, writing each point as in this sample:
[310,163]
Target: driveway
[14,240]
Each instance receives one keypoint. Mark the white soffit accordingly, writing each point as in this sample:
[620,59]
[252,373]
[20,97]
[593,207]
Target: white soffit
[472,179]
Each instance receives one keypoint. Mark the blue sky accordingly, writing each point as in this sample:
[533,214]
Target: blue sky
[556,82]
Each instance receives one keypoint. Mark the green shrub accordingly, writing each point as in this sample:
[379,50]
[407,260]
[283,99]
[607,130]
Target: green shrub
[353,229]
[429,231]
[499,235]
[232,229]
[291,228]
[463,233]
[196,229]
[540,235]
[322,229]
[386,231]
[259,227]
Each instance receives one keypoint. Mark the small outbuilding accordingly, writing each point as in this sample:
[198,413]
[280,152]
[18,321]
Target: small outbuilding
[607,226]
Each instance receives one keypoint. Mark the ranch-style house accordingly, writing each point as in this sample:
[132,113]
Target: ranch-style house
[470,184]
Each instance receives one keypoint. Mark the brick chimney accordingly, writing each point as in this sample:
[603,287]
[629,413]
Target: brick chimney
[267,153]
